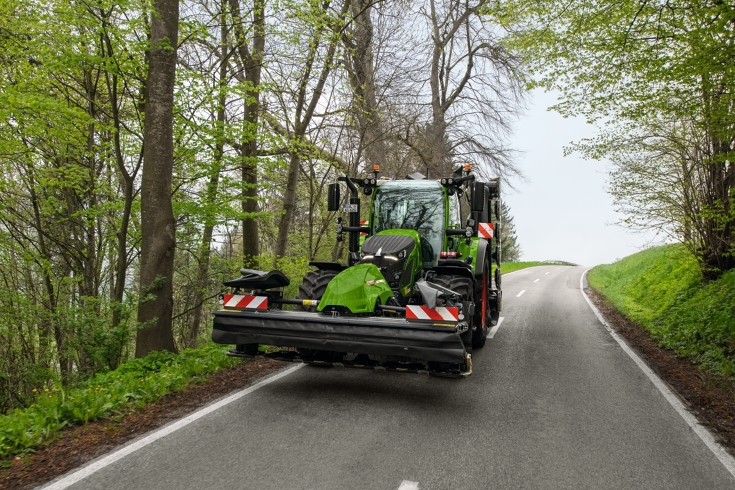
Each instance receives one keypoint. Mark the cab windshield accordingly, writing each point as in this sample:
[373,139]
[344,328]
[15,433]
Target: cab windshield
[414,205]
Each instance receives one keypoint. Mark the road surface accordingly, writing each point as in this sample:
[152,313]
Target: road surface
[554,402]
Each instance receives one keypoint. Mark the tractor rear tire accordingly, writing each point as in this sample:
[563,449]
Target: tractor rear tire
[483,309]
[463,286]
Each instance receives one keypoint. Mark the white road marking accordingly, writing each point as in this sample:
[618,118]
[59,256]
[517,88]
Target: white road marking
[519,294]
[493,330]
[547,273]
[107,460]
[537,280]
[409,485]
[727,461]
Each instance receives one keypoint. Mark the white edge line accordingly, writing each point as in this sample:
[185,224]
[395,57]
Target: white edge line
[409,485]
[727,461]
[494,330]
[519,294]
[95,466]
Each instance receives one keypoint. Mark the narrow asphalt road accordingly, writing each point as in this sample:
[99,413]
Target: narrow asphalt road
[554,402]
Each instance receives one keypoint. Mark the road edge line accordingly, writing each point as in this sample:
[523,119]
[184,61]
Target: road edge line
[95,466]
[494,330]
[705,435]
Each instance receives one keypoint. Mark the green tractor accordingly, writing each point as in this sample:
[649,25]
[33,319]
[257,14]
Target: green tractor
[419,291]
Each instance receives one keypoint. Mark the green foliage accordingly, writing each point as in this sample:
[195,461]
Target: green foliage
[511,249]
[514,266]
[295,268]
[661,289]
[658,80]
[131,386]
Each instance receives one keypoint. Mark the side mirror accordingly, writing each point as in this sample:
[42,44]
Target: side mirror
[494,186]
[478,196]
[333,198]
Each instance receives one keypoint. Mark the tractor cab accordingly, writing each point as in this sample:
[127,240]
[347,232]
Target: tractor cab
[412,205]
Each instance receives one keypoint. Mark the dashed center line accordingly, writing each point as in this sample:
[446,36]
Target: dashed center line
[493,330]
[519,294]
[409,485]
[537,280]
[547,273]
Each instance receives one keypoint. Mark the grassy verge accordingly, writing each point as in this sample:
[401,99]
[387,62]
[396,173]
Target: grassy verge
[515,266]
[130,386]
[660,288]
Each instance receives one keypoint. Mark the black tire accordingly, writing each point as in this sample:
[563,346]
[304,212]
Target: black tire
[313,287]
[464,287]
[483,316]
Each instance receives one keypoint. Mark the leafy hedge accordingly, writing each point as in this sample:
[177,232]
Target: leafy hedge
[131,385]
[514,266]
[661,289]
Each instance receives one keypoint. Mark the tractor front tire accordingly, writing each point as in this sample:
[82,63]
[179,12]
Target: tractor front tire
[313,287]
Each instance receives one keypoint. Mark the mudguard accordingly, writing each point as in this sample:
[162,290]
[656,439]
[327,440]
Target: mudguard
[357,289]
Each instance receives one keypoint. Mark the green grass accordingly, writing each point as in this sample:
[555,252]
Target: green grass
[515,266]
[130,386]
[660,288]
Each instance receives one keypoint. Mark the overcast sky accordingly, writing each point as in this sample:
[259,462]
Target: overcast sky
[563,211]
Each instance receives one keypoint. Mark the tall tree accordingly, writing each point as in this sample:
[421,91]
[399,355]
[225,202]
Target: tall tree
[251,62]
[508,237]
[652,75]
[326,28]
[360,65]
[157,218]
[474,87]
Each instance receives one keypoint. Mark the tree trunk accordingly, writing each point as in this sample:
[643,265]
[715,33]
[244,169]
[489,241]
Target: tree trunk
[289,203]
[205,248]
[302,117]
[157,218]
[362,78]
[252,60]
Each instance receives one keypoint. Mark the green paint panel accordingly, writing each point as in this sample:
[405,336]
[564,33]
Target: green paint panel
[357,289]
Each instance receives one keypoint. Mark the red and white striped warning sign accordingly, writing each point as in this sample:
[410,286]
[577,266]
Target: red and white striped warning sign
[246,302]
[485,230]
[440,313]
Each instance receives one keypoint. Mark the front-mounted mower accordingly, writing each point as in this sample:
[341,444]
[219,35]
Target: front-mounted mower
[417,293]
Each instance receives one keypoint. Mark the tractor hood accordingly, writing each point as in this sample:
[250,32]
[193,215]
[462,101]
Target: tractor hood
[397,253]
[357,289]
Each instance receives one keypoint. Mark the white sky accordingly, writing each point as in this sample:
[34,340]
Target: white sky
[563,211]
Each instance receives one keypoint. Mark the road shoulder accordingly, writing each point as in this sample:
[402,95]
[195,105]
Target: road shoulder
[709,398]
